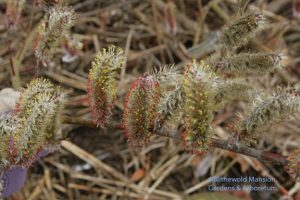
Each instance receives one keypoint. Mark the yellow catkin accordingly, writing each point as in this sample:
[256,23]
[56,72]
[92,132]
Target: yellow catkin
[197,84]
[38,113]
[102,83]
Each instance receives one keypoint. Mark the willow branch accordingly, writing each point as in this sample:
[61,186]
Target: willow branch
[80,121]
[261,155]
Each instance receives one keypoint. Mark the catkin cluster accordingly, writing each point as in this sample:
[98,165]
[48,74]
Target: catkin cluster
[154,99]
[237,35]
[195,94]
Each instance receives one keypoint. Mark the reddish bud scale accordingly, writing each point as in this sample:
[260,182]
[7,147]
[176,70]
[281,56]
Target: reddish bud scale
[12,150]
[28,158]
[140,110]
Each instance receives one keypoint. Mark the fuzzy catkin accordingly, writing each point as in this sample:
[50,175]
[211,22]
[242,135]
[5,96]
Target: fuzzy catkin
[167,75]
[198,105]
[102,83]
[8,123]
[250,63]
[140,110]
[35,87]
[170,91]
[59,23]
[241,30]
[31,130]
[38,113]
[229,90]
[170,102]
[265,111]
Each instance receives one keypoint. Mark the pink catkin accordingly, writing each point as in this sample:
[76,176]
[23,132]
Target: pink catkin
[139,111]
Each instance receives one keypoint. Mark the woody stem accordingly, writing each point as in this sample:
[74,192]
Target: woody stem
[261,155]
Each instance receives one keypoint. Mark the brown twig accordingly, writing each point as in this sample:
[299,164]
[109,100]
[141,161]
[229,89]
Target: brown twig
[261,155]
[80,121]
[245,150]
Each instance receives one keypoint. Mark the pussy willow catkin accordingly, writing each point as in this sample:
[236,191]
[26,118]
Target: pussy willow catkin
[38,113]
[250,63]
[265,111]
[8,123]
[140,110]
[59,22]
[242,29]
[170,91]
[226,91]
[102,83]
[198,106]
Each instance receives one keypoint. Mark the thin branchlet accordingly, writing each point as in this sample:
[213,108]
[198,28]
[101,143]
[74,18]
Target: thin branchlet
[242,29]
[265,111]
[102,83]
[250,63]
